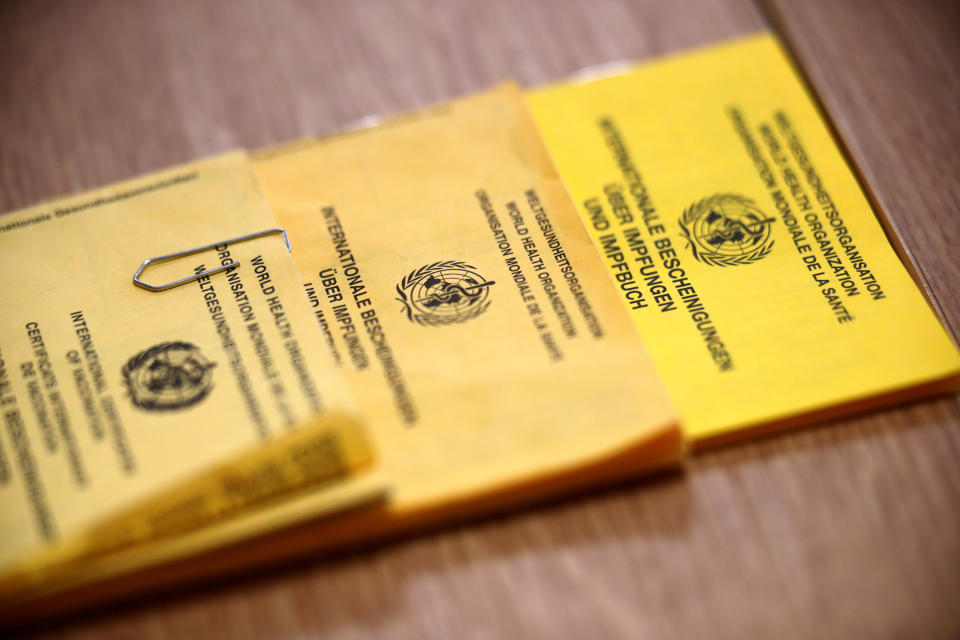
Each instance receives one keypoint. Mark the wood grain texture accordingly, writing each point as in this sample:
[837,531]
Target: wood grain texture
[845,530]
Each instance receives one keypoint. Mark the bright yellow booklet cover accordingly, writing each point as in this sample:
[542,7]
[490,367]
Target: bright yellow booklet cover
[463,299]
[110,393]
[751,261]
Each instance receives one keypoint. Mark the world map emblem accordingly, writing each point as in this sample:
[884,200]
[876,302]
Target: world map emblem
[170,375]
[726,230]
[443,293]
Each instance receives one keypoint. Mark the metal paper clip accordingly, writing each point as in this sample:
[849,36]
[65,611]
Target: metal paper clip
[209,272]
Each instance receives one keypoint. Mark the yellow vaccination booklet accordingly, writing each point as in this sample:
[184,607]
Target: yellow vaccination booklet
[739,239]
[462,298]
[111,394]
[320,468]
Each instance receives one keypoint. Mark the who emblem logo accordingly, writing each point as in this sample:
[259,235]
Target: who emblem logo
[727,230]
[444,293]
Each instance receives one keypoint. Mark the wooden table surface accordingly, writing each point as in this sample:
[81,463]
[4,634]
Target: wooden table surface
[848,529]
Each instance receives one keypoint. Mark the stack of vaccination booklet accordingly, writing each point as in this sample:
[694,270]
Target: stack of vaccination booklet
[507,297]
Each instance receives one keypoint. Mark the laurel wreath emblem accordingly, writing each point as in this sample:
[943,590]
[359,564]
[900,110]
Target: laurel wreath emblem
[435,320]
[183,380]
[696,210]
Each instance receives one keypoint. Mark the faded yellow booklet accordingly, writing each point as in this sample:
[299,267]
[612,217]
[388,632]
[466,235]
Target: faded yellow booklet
[464,301]
[110,393]
[321,468]
[752,263]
